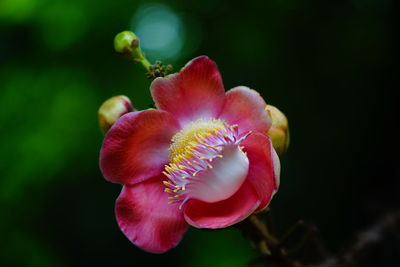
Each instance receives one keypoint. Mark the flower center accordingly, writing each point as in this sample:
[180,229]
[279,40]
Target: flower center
[206,162]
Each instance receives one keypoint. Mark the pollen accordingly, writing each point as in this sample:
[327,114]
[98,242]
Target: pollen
[185,142]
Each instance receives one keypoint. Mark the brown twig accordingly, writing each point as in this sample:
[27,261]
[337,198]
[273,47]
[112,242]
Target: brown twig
[267,244]
[364,240]
[275,251]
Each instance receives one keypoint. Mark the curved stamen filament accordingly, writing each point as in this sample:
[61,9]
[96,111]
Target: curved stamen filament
[194,150]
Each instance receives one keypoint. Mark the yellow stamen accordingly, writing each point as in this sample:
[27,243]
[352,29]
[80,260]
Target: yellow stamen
[188,138]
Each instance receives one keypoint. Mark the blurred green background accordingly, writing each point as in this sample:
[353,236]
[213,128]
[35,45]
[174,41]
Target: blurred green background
[329,65]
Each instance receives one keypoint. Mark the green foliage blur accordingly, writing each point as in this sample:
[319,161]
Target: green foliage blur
[329,65]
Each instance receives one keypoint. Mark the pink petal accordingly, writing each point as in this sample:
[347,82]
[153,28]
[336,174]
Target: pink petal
[264,168]
[223,213]
[195,92]
[246,108]
[146,218]
[136,147]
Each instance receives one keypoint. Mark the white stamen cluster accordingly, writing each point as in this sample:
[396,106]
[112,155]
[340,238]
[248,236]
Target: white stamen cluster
[193,150]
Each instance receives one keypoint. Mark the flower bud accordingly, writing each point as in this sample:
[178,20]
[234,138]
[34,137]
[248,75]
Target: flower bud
[110,111]
[279,131]
[126,43]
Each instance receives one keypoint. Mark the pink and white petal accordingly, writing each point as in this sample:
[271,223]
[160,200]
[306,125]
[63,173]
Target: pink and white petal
[246,108]
[147,220]
[224,213]
[195,92]
[136,147]
[277,167]
[223,180]
[264,166]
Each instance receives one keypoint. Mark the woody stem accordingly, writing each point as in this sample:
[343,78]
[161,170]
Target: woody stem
[257,231]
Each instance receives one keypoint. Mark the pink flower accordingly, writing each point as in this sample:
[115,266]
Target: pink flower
[202,158]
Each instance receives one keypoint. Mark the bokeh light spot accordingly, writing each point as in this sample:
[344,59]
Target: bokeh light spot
[160,30]
[16,10]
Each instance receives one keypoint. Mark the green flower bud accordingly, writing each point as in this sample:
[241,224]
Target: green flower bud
[126,43]
[110,111]
[279,131]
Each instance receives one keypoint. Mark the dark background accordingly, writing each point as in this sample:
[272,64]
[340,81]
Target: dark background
[329,65]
